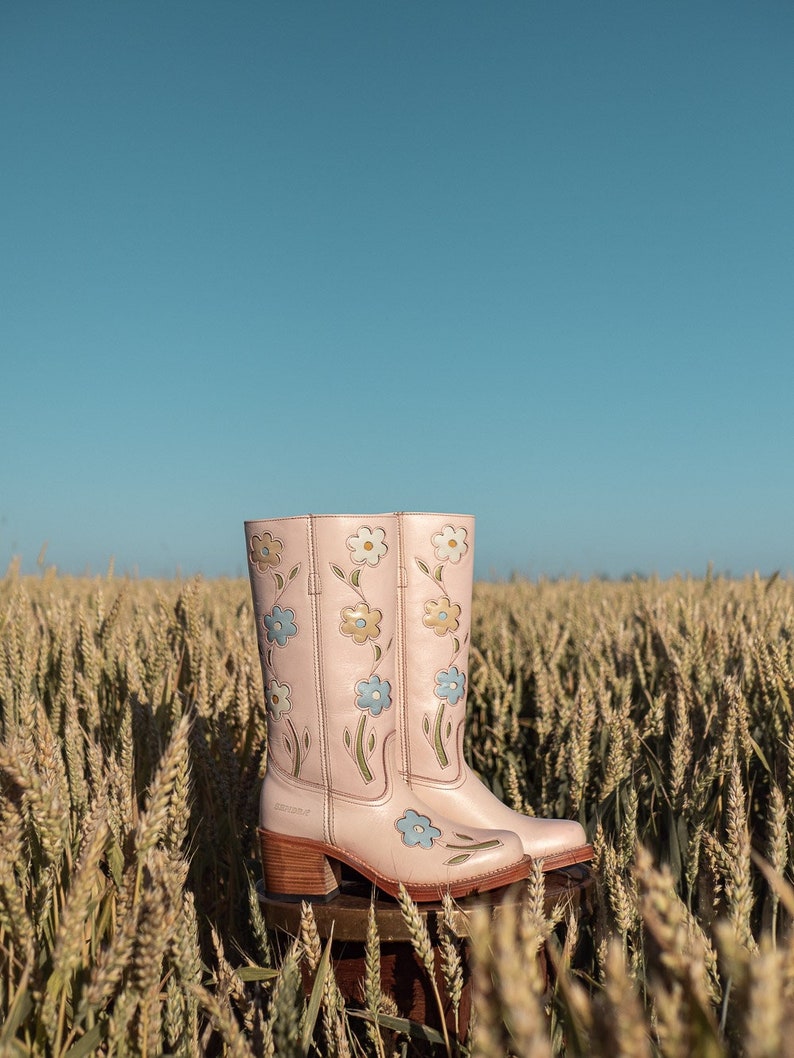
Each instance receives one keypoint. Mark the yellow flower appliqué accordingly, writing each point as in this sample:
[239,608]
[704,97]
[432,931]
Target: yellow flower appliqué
[442,616]
[361,623]
[265,551]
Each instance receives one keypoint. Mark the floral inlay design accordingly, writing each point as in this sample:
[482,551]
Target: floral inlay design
[418,832]
[277,699]
[442,615]
[368,545]
[450,544]
[374,695]
[266,551]
[280,626]
[360,622]
[450,684]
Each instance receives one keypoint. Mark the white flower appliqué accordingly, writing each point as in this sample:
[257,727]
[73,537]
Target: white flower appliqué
[450,544]
[367,545]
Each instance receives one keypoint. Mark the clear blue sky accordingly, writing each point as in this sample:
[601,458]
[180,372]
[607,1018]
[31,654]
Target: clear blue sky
[528,260]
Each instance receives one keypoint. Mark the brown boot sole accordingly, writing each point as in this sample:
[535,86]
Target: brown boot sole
[303,868]
[568,858]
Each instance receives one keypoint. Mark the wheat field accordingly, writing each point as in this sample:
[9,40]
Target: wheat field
[132,742]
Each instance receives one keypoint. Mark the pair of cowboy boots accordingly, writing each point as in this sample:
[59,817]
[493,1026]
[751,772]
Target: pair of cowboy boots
[363,625]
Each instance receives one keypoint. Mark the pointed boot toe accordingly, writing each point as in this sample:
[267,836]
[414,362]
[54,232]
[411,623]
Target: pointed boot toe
[557,842]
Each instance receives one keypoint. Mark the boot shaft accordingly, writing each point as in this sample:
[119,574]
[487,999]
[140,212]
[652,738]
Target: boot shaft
[433,632]
[323,590]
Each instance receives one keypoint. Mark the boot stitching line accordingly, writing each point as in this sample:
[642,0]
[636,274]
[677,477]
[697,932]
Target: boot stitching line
[403,741]
[314,577]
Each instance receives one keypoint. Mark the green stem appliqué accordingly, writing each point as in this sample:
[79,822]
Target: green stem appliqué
[438,739]
[439,735]
[296,747]
[470,847]
[360,747]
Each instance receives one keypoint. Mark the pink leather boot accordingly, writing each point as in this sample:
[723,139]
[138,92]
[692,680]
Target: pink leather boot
[324,594]
[435,589]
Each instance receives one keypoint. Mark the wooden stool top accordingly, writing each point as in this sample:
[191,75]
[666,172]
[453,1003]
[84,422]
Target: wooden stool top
[347,913]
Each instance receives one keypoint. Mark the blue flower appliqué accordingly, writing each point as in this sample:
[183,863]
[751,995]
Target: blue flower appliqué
[451,684]
[417,830]
[374,695]
[280,625]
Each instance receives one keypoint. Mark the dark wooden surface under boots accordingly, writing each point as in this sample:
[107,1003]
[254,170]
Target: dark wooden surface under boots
[402,975]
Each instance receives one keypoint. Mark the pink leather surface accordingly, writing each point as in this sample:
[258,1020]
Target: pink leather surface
[324,590]
[434,628]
